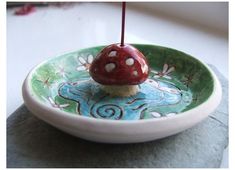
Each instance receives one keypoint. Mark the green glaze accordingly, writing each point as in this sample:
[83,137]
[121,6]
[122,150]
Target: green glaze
[183,71]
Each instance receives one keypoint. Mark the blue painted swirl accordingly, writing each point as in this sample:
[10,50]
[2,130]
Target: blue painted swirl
[94,102]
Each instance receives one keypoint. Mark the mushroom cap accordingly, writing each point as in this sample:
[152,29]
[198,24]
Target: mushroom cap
[119,65]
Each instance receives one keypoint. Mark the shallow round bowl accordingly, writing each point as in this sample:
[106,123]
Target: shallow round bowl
[180,92]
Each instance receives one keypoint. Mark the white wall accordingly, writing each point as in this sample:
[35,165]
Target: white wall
[213,15]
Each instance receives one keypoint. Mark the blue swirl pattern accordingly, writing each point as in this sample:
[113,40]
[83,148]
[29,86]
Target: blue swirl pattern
[94,102]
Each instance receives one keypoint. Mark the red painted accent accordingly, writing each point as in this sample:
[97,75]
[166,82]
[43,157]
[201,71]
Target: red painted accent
[122,74]
[25,10]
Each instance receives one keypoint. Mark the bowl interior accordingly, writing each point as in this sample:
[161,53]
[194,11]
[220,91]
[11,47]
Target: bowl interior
[177,83]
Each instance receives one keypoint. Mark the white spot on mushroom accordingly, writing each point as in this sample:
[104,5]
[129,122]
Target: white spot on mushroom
[109,67]
[135,73]
[130,61]
[112,54]
[144,68]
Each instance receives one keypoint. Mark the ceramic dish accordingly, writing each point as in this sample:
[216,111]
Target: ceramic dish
[180,92]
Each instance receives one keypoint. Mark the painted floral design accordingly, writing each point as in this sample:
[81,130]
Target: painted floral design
[73,67]
[188,79]
[158,115]
[84,63]
[170,114]
[61,71]
[163,88]
[45,82]
[164,73]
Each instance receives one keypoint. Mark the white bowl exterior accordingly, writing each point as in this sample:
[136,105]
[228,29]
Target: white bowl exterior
[121,131]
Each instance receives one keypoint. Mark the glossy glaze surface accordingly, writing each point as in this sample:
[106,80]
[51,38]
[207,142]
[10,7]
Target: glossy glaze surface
[119,65]
[176,83]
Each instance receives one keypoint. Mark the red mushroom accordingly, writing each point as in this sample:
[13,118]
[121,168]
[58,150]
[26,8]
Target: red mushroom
[120,69]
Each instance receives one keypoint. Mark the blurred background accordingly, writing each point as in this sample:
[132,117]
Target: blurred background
[39,30]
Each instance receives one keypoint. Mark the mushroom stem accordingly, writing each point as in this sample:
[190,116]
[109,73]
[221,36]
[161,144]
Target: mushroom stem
[122,91]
